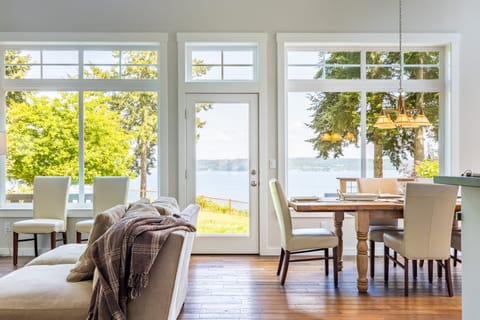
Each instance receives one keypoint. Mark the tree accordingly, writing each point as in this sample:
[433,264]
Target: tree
[137,109]
[15,68]
[339,112]
[45,141]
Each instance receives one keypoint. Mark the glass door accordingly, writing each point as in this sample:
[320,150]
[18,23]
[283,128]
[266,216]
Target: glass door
[222,171]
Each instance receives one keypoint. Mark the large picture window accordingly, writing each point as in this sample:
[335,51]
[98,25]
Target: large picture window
[103,122]
[334,96]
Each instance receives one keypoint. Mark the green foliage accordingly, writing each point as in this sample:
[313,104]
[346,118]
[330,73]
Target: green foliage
[339,112]
[199,108]
[214,206]
[43,139]
[427,168]
[215,218]
[219,223]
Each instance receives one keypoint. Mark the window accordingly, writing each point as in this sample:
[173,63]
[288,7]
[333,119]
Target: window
[333,97]
[314,64]
[103,122]
[221,63]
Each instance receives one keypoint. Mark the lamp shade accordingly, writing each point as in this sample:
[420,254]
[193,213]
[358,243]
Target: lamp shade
[326,137]
[3,143]
[384,122]
[422,121]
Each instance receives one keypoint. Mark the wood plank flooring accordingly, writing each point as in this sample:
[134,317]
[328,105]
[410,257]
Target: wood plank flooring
[245,287]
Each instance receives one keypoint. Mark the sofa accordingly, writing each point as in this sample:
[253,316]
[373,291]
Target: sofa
[40,290]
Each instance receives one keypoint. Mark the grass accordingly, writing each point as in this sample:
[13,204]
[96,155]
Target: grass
[217,218]
[221,223]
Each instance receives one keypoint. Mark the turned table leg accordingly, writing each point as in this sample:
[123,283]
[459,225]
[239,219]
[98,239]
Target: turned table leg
[363,221]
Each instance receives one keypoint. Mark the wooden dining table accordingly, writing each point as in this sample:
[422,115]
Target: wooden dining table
[365,210]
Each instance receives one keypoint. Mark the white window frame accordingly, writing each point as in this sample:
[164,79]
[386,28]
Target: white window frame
[447,85]
[99,41]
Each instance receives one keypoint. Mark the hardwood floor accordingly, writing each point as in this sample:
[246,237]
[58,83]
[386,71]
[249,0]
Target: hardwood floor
[246,287]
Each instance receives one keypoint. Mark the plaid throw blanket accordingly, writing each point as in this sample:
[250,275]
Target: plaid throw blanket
[124,256]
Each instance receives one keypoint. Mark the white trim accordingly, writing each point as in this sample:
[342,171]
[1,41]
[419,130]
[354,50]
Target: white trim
[212,38]
[362,39]
[86,38]
[163,177]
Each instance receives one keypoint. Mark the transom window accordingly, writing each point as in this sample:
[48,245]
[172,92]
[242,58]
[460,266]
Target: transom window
[221,63]
[66,64]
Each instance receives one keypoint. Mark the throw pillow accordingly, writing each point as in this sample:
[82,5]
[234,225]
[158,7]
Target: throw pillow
[84,267]
[166,206]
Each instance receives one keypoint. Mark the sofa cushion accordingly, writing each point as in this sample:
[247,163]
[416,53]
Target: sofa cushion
[66,254]
[84,267]
[41,292]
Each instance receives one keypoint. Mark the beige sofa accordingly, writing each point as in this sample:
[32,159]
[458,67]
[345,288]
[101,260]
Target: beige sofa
[40,291]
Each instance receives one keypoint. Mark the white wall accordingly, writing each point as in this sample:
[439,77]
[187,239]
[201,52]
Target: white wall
[270,16]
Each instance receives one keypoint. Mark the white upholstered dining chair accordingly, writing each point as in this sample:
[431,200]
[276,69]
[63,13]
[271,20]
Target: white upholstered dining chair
[107,193]
[50,198]
[380,225]
[456,244]
[301,240]
[428,216]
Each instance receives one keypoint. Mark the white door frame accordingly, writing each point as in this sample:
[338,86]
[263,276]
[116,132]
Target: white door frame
[226,243]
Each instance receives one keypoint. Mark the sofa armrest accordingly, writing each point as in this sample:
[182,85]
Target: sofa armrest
[165,294]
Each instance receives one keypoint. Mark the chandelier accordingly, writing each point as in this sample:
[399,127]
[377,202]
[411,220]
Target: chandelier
[413,118]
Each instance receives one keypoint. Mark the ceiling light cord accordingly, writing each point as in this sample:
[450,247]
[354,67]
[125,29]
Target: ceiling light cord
[400,44]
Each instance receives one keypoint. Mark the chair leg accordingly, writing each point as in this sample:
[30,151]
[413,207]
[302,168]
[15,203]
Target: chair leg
[372,259]
[455,257]
[386,252]
[15,248]
[395,259]
[405,269]
[280,261]
[448,277]
[64,237]
[439,268]
[79,240]
[414,269]
[35,244]
[335,267]
[286,260]
[326,261]
[421,263]
[53,240]
[430,270]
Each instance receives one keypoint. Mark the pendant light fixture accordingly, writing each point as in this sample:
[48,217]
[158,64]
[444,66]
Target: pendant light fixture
[404,119]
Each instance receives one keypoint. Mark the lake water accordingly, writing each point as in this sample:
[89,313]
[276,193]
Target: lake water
[235,184]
